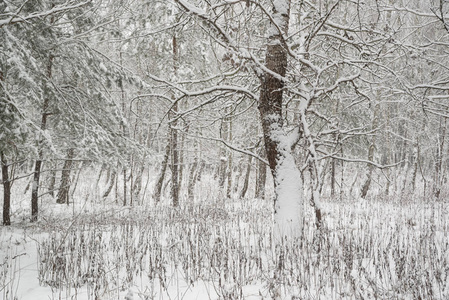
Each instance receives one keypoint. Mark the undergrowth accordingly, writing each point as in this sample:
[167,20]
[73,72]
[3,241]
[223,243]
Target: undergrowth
[364,251]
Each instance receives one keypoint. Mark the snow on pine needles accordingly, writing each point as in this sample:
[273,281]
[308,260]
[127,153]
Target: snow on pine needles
[366,250]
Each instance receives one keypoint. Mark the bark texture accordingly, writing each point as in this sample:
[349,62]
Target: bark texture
[111,179]
[63,192]
[160,180]
[6,191]
[288,186]
[261,179]
[367,183]
[246,182]
[38,164]
[174,166]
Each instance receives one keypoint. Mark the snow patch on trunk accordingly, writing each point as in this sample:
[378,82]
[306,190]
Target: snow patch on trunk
[281,6]
[288,208]
[288,215]
[280,17]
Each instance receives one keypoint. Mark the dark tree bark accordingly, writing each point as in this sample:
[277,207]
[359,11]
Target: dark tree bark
[137,185]
[174,166]
[246,182]
[278,148]
[124,187]
[6,191]
[38,164]
[416,158]
[111,180]
[270,103]
[160,180]
[261,180]
[222,170]
[272,89]
[35,191]
[64,187]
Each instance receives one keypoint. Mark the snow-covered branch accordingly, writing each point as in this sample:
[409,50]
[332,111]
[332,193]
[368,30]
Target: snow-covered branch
[232,147]
[364,161]
[16,18]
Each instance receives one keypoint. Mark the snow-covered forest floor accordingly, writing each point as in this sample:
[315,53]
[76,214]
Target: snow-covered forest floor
[165,126]
[223,249]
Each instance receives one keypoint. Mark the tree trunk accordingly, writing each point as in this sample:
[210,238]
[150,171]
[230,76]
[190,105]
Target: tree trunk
[192,180]
[342,175]
[200,171]
[246,182]
[387,153]
[229,177]
[181,157]
[6,191]
[287,178]
[439,158]
[366,185]
[111,180]
[35,190]
[131,181]
[238,172]
[64,187]
[229,169]
[108,174]
[174,166]
[124,186]
[333,177]
[159,183]
[77,177]
[222,170]
[115,178]
[137,186]
[261,180]
[415,165]
[52,183]
[38,164]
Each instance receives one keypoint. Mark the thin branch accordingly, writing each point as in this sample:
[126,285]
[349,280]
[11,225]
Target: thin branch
[37,15]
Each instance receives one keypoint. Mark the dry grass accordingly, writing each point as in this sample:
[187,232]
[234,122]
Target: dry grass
[366,251]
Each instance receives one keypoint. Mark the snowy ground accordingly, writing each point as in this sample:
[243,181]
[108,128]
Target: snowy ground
[222,249]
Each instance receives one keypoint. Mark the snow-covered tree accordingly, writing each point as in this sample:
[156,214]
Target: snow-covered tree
[58,85]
